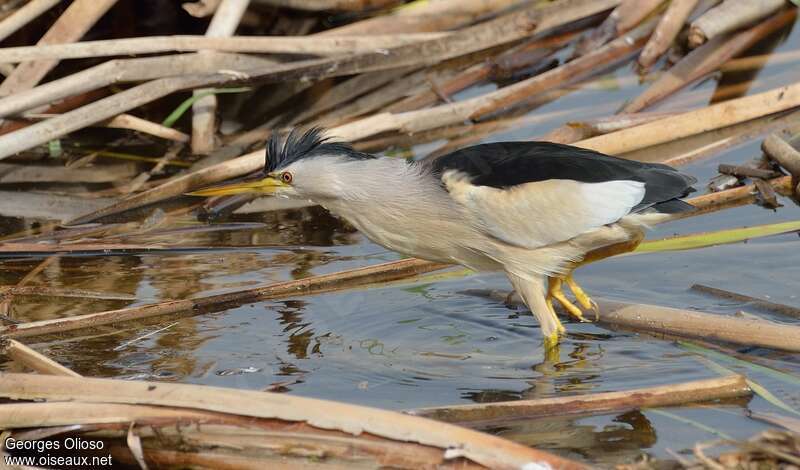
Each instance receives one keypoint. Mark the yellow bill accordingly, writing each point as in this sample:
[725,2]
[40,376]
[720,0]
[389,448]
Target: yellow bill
[267,185]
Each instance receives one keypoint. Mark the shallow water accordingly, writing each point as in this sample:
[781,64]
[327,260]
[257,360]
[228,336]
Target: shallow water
[427,344]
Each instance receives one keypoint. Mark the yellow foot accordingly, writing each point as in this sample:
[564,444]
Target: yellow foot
[551,349]
[554,292]
[580,295]
[560,330]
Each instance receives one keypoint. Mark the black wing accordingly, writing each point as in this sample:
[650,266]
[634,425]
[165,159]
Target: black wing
[506,164]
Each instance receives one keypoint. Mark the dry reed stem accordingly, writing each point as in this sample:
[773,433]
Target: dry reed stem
[201,8]
[27,13]
[705,60]
[47,291]
[32,359]
[48,414]
[378,99]
[689,323]
[55,127]
[634,12]
[440,15]
[180,185]
[699,146]
[736,196]
[304,45]
[622,19]
[224,433]
[204,111]
[446,114]
[730,15]
[516,58]
[11,173]
[126,70]
[594,403]
[616,122]
[341,94]
[782,152]
[484,449]
[667,30]
[76,20]
[133,123]
[325,5]
[522,23]
[694,122]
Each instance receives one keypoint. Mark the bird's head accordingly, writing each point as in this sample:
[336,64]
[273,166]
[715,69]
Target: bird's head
[300,166]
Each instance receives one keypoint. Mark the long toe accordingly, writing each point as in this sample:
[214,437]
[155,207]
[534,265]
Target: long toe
[555,292]
[580,295]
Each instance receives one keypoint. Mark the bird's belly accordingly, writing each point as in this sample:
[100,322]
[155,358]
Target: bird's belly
[440,242]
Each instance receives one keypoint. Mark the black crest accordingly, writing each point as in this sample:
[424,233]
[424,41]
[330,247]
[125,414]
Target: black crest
[282,152]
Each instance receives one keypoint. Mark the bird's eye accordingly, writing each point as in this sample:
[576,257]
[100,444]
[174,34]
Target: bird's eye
[286,177]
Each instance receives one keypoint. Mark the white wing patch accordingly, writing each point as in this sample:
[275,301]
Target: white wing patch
[542,213]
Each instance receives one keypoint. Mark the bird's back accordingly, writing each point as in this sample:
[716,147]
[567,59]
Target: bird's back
[504,165]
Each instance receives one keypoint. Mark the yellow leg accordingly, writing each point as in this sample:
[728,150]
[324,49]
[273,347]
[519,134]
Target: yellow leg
[552,351]
[580,295]
[554,292]
[560,330]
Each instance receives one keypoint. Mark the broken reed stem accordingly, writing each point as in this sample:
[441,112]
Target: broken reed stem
[742,171]
[303,45]
[735,196]
[32,359]
[484,414]
[782,152]
[665,33]
[730,15]
[706,59]
[127,121]
[204,111]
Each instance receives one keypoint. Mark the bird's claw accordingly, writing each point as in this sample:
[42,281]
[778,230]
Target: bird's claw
[555,292]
